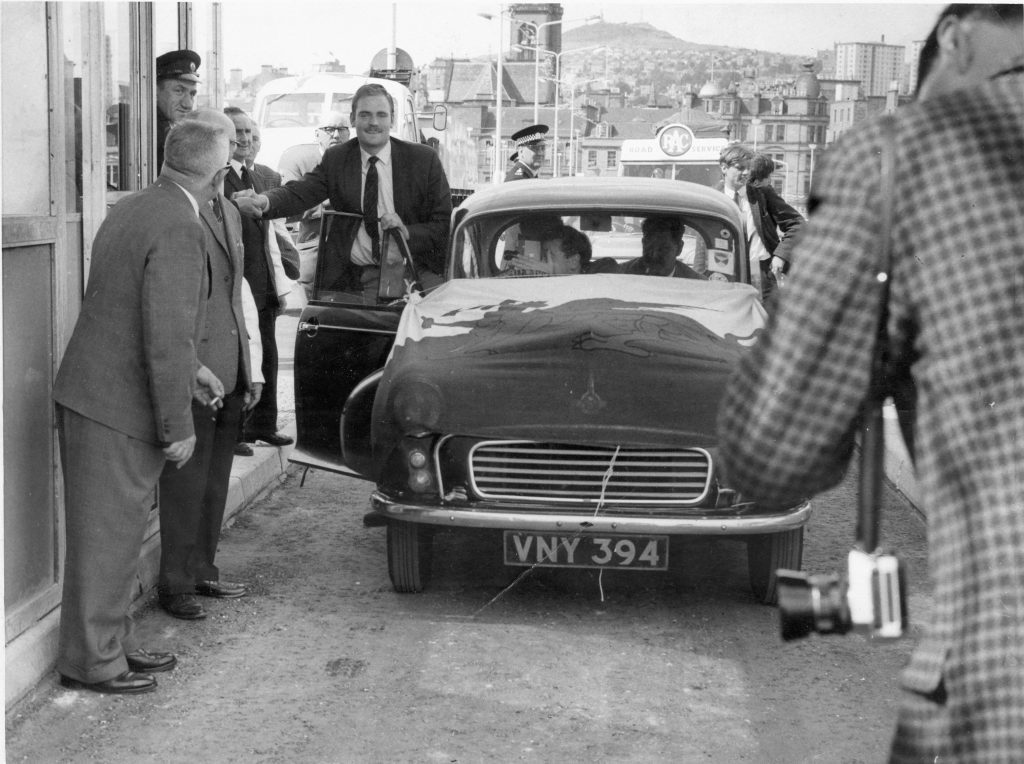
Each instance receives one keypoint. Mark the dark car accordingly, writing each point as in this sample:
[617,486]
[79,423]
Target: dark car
[573,413]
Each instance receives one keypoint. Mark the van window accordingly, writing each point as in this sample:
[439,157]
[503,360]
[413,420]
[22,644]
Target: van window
[293,110]
[341,102]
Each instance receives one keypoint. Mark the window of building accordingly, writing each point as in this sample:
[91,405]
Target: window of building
[121,103]
[591,157]
[71,28]
[612,160]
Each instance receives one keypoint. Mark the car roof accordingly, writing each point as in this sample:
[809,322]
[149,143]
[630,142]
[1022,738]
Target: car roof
[600,193]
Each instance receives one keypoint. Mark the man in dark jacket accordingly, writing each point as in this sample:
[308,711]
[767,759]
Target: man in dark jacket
[392,184]
[764,212]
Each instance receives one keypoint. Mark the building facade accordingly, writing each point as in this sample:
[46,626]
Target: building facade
[79,124]
[874,64]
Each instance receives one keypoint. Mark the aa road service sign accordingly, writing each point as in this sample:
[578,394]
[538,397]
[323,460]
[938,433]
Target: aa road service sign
[675,140]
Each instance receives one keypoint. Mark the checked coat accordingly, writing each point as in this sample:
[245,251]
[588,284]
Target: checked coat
[956,328]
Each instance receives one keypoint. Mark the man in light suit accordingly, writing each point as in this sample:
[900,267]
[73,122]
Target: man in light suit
[412,196]
[192,498]
[267,289]
[124,392]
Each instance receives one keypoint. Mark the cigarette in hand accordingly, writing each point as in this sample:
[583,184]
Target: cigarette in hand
[214,402]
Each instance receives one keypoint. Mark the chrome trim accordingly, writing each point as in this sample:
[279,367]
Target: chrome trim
[791,519]
[567,449]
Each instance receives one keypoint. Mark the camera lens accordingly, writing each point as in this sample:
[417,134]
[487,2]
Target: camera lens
[796,605]
[811,604]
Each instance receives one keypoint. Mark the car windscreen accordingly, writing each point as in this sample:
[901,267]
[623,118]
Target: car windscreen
[640,243]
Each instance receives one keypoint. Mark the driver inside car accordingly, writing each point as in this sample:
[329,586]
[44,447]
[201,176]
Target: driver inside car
[662,244]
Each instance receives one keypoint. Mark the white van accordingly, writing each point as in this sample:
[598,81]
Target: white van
[288,109]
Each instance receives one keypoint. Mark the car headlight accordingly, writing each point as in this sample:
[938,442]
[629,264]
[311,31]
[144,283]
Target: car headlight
[417,407]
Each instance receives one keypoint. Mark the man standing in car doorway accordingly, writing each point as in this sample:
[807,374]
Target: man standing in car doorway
[531,147]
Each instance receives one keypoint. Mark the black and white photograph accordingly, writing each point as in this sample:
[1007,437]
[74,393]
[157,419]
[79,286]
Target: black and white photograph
[326,439]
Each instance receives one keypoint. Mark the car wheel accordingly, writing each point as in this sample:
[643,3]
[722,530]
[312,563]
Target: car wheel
[769,552]
[410,552]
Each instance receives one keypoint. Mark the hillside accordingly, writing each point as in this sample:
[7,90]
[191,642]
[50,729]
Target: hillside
[629,37]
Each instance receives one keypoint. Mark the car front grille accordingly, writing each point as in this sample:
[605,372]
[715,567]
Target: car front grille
[553,473]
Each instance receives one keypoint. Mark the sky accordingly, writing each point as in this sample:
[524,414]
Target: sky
[301,33]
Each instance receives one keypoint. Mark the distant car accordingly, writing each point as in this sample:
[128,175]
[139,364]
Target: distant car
[575,414]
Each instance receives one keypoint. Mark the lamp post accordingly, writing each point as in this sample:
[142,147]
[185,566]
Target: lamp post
[810,174]
[754,124]
[558,81]
[536,48]
[496,174]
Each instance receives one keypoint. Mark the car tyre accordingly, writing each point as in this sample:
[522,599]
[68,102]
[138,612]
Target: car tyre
[767,553]
[410,554]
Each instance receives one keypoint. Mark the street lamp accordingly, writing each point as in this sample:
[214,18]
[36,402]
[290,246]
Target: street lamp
[536,48]
[496,174]
[754,124]
[558,81]
[810,178]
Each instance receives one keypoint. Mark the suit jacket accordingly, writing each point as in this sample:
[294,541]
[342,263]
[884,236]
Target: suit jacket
[223,340]
[788,418]
[282,248]
[259,263]
[131,360]
[771,212]
[422,196]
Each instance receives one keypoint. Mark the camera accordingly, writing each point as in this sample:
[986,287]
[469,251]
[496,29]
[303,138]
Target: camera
[872,599]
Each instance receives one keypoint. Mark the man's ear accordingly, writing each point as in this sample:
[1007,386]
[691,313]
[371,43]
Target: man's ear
[955,43]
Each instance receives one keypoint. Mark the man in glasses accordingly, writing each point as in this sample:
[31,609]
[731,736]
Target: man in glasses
[952,342]
[297,160]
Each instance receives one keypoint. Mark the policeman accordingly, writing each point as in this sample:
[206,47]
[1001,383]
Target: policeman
[177,81]
[531,146]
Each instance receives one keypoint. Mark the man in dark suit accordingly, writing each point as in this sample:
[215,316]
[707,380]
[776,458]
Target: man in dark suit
[177,78]
[123,393]
[412,195]
[261,422]
[287,255]
[192,498]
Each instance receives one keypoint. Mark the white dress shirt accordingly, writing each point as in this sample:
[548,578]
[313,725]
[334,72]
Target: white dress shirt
[362,248]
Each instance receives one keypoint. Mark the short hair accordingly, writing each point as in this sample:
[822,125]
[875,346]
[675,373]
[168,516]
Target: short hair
[735,154]
[761,167]
[193,147]
[232,111]
[369,90]
[575,243]
[1005,13]
[663,224]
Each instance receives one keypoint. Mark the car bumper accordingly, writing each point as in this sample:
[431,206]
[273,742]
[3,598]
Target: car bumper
[531,520]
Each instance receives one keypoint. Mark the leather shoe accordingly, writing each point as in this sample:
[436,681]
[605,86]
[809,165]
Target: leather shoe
[150,663]
[243,449]
[273,438]
[123,684]
[184,606]
[226,590]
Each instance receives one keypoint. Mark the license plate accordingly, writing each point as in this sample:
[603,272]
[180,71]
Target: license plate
[585,550]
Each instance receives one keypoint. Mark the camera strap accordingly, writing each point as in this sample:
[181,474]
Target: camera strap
[872,454]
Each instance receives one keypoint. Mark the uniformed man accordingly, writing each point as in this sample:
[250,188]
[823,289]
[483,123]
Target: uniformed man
[177,82]
[531,147]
